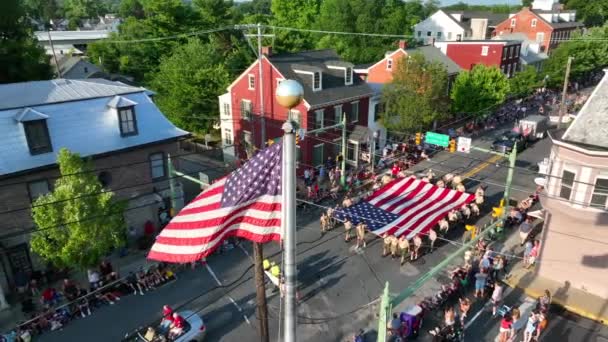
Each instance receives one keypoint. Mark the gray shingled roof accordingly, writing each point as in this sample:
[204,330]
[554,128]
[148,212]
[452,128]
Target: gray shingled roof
[73,67]
[493,18]
[433,54]
[332,80]
[590,127]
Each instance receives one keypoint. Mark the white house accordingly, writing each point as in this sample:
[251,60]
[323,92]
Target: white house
[440,26]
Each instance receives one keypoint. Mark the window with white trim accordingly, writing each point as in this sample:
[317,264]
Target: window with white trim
[348,76]
[157,165]
[449,35]
[438,35]
[127,121]
[599,197]
[567,184]
[533,23]
[246,109]
[517,51]
[337,114]
[37,136]
[319,118]
[509,70]
[511,51]
[419,33]
[354,112]
[316,81]
[389,64]
[484,50]
[38,188]
[513,21]
[226,109]
[294,115]
[504,54]
[251,82]
[227,137]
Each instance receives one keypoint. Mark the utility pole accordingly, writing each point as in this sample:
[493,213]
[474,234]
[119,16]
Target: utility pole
[289,223]
[343,166]
[372,150]
[54,55]
[562,107]
[507,193]
[261,86]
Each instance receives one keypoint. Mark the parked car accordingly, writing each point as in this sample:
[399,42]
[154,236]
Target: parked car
[194,331]
[508,140]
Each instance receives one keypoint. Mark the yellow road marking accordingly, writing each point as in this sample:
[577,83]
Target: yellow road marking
[481,166]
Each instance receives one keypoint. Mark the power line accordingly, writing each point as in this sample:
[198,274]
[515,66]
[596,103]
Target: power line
[176,36]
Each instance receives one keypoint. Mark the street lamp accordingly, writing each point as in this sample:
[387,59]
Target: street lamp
[289,94]
[372,149]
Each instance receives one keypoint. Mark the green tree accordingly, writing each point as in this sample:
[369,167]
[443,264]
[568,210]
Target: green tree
[590,53]
[21,59]
[188,83]
[77,225]
[131,8]
[524,82]
[76,10]
[478,90]
[591,13]
[417,95]
[298,14]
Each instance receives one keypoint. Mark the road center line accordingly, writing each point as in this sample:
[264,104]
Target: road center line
[217,280]
[482,166]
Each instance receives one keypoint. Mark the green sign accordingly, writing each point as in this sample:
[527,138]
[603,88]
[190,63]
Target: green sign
[437,139]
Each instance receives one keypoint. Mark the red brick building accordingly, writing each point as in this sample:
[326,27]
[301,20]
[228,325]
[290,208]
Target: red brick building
[330,89]
[546,27]
[503,54]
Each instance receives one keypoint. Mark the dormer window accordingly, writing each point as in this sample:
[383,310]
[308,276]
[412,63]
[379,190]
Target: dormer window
[35,129]
[533,23]
[251,82]
[37,135]
[389,64]
[127,121]
[125,110]
[316,81]
[348,76]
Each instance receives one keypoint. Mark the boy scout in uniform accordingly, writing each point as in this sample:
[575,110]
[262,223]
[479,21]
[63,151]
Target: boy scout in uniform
[404,248]
[388,240]
[348,227]
[361,234]
[324,223]
[394,246]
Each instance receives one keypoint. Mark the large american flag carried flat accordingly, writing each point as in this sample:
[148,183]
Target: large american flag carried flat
[246,203]
[405,206]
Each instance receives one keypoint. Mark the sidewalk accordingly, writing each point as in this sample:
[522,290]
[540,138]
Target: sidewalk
[574,300]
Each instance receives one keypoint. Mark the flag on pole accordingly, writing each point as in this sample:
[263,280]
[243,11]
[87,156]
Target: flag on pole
[405,206]
[246,204]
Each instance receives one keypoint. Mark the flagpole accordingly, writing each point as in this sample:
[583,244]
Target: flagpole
[289,207]
[289,95]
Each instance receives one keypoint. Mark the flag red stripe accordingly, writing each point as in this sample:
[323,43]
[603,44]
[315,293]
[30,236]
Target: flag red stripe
[396,193]
[216,221]
[421,209]
[439,214]
[383,189]
[407,198]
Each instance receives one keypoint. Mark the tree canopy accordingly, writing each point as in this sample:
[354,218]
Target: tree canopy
[21,59]
[417,96]
[478,90]
[591,13]
[524,82]
[78,223]
[188,83]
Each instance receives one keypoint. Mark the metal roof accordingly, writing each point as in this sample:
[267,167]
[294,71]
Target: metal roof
[334,88]
[86,126]
[590,127]
[27,94]
[433,54]
[58,36]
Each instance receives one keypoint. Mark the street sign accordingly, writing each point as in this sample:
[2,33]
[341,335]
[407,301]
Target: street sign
[432,138]
[464,144]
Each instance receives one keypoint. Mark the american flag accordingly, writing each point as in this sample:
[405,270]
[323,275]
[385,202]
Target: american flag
[246,203]
[405,206]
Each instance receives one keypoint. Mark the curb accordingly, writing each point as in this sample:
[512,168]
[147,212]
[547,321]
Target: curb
[577,310]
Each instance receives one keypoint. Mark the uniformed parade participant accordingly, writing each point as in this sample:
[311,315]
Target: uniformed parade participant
[324,223]
[386,247]
[361,235]
[330,218]
[404,248]
[348,228]
[394,246]
[417,245]
[432,238]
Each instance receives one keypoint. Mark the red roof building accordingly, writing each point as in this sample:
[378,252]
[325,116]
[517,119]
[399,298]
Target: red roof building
[330,90]
[503,54]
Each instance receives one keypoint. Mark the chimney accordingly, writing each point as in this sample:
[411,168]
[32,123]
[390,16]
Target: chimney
[267,51]
[402,44]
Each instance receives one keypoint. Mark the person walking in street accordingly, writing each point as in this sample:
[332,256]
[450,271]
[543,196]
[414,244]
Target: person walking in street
[527,250]
[416,250]
[531,326]
[348,227]
[480,284]
[324,223]
[544,302]
[506,327]
[533,254]
[524,230]
[518,324]
[394,247]
[387,241]
[404,248]
[361,235]
[541,326]
[496,297]
[432,239]
[331,221]
[497,266]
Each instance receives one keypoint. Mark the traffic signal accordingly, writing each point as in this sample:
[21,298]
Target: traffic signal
[452,146]
[418,138]
[297,139]
[270,142]
[497,212]
[471,228]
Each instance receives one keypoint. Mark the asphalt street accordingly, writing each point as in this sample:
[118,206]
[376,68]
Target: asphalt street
[336,283]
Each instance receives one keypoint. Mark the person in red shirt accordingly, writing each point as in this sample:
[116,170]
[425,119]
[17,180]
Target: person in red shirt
[395,170]
[167,320]
[177,328]
[49,297]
